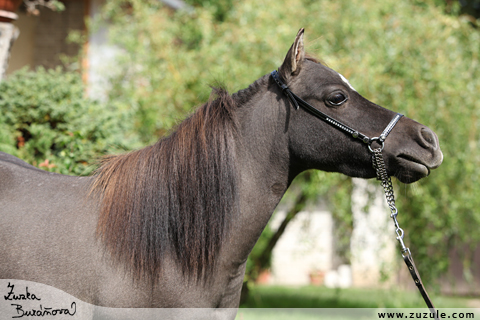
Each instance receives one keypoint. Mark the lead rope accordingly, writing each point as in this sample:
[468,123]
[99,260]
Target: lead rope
[379,166]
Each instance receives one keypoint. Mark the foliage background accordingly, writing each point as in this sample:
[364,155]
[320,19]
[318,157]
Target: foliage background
[46,120]
[409,56]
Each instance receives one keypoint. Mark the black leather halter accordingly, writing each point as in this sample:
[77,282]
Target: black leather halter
[297,101]
[377,164]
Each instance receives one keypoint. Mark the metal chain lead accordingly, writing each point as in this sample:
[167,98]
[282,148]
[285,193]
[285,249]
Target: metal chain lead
[382,175]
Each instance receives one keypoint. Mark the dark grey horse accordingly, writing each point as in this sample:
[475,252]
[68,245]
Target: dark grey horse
[171,225]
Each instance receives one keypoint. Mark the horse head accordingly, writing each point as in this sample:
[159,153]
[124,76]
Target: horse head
[410,151]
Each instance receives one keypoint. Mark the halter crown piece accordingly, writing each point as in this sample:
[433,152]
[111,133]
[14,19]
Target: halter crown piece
[378,165]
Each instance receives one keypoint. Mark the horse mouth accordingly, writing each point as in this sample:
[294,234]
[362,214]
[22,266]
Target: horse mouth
[411,169]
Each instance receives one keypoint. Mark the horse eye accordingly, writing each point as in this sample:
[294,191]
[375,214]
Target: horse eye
[337,98]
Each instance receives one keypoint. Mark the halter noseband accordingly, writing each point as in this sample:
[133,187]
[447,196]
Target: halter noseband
[297,101]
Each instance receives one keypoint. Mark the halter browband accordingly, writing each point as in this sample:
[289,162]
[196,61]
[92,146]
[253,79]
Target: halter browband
[297,101]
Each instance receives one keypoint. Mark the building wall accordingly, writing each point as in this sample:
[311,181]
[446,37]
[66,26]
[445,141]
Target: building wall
[305,247]
[373,243]
[52,32]
[308,244]
[43,38]
[23,48]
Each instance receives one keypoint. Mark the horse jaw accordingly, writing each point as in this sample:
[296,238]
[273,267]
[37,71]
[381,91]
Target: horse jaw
[412,169]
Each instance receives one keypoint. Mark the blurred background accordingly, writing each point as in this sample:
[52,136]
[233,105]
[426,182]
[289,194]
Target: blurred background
[83,78]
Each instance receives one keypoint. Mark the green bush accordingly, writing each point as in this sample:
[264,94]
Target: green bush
[46,120]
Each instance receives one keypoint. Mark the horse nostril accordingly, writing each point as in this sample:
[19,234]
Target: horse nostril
[428,137]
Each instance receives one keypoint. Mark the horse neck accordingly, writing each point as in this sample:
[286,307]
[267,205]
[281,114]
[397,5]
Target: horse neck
[263,167]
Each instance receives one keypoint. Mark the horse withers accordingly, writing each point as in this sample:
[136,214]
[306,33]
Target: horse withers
[172,225]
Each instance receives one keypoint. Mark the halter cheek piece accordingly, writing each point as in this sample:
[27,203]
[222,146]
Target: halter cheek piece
[380,168]
[297,102]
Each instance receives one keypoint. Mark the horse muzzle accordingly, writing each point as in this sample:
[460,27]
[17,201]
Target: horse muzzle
[412,163]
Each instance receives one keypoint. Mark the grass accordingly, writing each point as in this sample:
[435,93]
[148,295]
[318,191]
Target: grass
[322,297]
[318,303]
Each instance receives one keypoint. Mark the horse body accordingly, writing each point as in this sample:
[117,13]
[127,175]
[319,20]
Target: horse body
[48,235]
[112,245]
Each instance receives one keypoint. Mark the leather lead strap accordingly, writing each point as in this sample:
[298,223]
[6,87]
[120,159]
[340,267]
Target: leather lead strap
[418,282]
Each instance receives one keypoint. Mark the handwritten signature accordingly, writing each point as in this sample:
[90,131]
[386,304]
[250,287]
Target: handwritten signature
[12,296]
[35,312]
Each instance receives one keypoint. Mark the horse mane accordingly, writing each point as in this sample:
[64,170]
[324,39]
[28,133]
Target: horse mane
[245,95]
[175,198]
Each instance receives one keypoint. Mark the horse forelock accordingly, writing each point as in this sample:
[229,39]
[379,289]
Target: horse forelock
[175,198]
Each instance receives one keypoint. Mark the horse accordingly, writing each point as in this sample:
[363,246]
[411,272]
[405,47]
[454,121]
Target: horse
[171,225]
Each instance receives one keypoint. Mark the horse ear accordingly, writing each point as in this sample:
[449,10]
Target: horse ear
[294,59]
